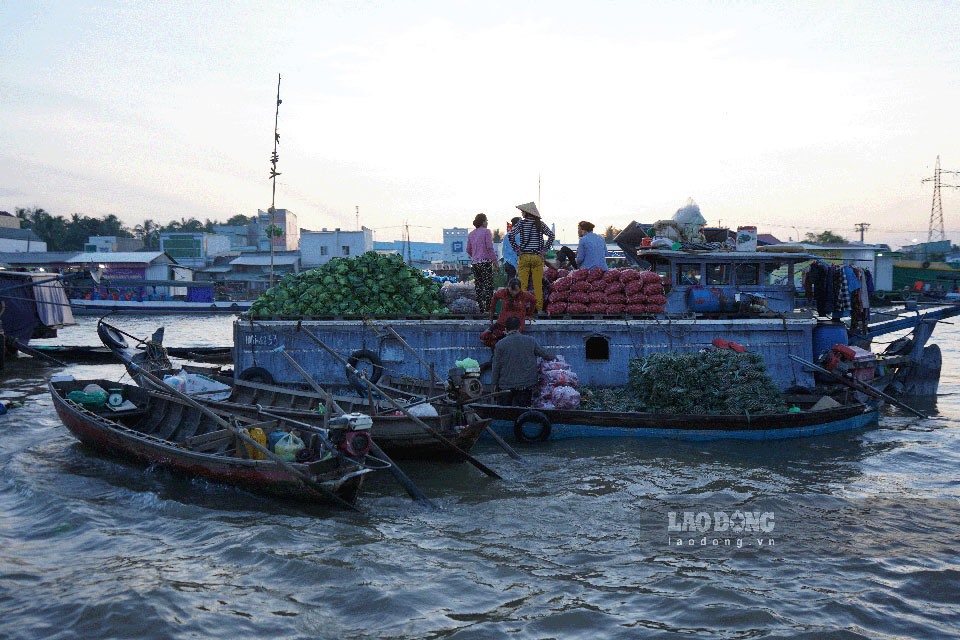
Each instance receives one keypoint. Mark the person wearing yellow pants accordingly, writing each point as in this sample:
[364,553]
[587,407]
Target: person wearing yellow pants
[531,239]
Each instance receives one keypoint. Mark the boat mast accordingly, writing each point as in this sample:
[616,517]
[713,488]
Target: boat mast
[274,158]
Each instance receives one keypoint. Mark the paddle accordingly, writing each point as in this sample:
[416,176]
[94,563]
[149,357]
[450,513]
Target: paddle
[490,432]
[30,351]
[469,458]
[300,475]
[859,385]
[399,475]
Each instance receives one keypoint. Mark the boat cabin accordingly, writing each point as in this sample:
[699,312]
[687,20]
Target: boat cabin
[717,282]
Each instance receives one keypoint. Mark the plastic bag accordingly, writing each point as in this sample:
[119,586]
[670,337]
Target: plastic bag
[565,397]
[176,382]
[561,378]
[288,446]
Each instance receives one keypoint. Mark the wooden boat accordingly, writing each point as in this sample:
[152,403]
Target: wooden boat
[537,425]
[160,429]
[103,355]
[398,435]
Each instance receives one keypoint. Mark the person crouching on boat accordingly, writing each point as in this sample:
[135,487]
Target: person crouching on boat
[514,303]
[515,369]
[591,250]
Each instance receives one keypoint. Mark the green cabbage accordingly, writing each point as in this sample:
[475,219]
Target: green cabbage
[369,284]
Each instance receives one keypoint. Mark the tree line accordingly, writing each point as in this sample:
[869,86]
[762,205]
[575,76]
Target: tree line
[71,234]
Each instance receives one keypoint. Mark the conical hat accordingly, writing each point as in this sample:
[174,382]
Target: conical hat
[530,208]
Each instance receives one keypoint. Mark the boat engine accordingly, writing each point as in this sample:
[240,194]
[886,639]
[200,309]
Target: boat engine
[350,433]
[463,385]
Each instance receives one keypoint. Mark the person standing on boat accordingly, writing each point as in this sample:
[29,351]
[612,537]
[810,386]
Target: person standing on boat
[483,257]
[509,253]
[515,371]
[527,238]
[591,250]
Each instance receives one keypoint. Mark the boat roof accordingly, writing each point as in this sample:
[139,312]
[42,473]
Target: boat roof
[669,255]
[131,257]
[261,261]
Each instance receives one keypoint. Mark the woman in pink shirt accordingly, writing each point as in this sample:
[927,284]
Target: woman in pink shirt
[482,257]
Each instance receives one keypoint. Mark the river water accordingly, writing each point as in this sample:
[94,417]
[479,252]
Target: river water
[845,536]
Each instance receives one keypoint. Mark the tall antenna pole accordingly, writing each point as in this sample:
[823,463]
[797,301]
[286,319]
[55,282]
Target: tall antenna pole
[936,209]
[274,158]
[358,217]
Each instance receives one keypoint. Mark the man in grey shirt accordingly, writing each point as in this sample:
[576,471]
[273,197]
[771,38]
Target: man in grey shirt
[515,365]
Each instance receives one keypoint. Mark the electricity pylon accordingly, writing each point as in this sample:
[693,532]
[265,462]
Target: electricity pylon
[936,210]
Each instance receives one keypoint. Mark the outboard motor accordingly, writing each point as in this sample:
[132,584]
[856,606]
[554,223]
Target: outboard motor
[350,433]
[463,385]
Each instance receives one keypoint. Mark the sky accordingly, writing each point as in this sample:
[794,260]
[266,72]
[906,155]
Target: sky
[793,117]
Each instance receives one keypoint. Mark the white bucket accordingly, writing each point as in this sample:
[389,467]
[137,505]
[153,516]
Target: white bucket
[746,238]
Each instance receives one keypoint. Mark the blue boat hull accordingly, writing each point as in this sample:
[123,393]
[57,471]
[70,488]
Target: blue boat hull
[601,424]
[599,350]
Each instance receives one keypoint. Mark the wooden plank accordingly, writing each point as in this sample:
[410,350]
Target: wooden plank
[213,441]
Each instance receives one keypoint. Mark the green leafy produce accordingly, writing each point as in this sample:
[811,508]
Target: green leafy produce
[713,382]
[370,284]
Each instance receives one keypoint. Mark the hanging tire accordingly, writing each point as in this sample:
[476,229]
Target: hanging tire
[257,375]
[111,337]
[375,372]
[542,434]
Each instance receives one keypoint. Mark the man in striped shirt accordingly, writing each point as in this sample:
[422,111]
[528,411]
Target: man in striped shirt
[527,239]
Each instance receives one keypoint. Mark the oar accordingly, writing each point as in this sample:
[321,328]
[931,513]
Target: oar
[399,475]
[469,458]
[30,351]
[307,480]
[859,385]
[406,345]
[490,432]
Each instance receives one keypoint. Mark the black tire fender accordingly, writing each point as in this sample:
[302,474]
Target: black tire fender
[535,417]
[257,375]
[112,337]
[375,362]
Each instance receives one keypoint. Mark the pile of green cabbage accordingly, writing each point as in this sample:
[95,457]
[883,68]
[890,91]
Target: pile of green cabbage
[370,284]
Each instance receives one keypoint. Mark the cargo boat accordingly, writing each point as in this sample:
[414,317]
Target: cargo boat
[743,296]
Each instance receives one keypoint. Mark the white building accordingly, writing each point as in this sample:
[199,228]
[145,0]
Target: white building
[17,240]
[318,247]
[194,248]
[455,245]
[106,244]
[289,238]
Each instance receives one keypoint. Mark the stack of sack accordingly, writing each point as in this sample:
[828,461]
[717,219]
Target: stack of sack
[611,292]
[557,385]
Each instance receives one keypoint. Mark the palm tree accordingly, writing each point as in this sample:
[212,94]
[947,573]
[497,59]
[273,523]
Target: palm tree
[149,232]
